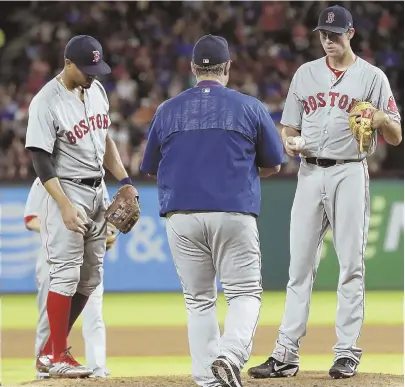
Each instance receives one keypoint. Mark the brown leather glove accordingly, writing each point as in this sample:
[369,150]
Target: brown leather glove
[124,210]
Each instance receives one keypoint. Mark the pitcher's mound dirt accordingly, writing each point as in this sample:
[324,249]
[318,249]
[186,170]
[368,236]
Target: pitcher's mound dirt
[304,379]
[172,341]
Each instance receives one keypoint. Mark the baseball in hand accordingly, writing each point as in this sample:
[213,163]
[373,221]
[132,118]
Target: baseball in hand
[298,141]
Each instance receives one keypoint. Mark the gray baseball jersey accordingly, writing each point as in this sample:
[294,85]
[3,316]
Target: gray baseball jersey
[93,326]
[335,197]
[72,131]
[318,105]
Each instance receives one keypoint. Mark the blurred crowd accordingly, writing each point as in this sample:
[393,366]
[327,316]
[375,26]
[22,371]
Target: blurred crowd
[149,45]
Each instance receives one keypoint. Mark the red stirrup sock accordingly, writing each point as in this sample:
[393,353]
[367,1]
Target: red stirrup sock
[58,308]
[47,350]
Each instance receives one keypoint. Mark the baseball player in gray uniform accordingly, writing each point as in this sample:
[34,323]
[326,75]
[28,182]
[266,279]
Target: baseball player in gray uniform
[67,136]
[93,327]
[332,189]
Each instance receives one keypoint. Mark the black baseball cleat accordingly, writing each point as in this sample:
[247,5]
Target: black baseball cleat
[343,368]
[226,373]
[273,368]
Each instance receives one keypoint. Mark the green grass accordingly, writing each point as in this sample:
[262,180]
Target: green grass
[19,312]
[19,370]
[156,309]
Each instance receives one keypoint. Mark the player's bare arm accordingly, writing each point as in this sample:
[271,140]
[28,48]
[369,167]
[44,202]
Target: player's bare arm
[267,172]
[112,160]
[390,129]
[124,211]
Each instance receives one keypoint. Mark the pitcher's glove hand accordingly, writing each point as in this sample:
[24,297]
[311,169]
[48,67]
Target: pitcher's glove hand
[124,210]
[111,235]
[361,124]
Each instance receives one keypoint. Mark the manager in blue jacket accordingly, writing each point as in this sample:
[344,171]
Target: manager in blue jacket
[208,148]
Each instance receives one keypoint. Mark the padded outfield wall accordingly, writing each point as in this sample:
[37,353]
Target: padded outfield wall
[141,260]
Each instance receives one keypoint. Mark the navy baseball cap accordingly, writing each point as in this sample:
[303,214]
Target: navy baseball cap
[211,50]
[335,19]
[87,54]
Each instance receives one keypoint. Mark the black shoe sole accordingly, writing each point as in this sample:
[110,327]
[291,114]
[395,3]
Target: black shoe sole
[231,380]
[253,375]
[335,374]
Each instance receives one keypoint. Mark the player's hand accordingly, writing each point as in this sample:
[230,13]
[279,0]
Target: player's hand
[356,114]
[74,219]
[379,118]
[291,147]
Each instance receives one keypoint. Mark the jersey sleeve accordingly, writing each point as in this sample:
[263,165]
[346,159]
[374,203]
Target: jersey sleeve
[104,96]
[41,129]
[269,149]
[293,108]
[152,155]
[383,99]
[35,199]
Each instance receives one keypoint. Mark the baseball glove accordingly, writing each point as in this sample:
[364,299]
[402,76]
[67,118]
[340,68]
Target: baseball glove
[363,131]
[111,235]
[124,210]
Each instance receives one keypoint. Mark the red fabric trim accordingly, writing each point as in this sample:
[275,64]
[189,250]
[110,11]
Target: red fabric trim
[338,73]
[47,231]
[28,219]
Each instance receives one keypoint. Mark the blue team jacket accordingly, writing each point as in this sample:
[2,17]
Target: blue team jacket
[205,146]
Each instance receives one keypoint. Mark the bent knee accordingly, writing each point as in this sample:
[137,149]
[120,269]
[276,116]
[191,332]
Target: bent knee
[200,303]
[91,281]
[253,289]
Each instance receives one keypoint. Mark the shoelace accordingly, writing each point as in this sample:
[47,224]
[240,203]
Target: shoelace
[68,358]
[269,361]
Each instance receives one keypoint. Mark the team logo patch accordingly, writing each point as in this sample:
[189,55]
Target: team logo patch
[331,17]
[392,106]
[368,113]
[96,56]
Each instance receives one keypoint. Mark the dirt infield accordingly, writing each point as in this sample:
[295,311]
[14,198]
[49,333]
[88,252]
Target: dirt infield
[304,379]
[172,341]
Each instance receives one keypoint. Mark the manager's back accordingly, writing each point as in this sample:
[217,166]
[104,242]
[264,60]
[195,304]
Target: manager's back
[208,147]
[212,141]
